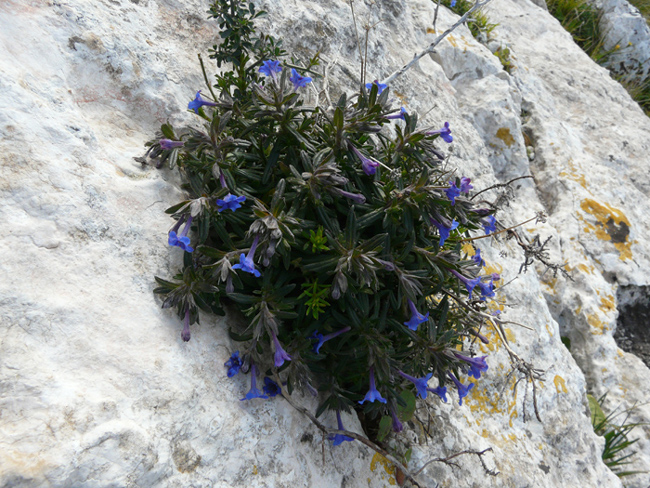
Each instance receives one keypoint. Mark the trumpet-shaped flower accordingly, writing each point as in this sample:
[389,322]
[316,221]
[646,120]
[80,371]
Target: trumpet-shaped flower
[452,192]
[445,133]
[357,198]
[298,80]
[443,230]
[270,68]
[462,389]
[381,86]
[233,364]
[416,317]
[400,115]
[181,240]
[246,261]
[397,425]
[465,185]
[199,102]
[489,224]
[441,391]
[487,289]
[271,388]
[340,438]
[420,383]
[253,392]
[470,283]
[478,259]
[373,394]
[280,355]
[323,339]
[368,165]
[168,144]
[476,365]
[231,202]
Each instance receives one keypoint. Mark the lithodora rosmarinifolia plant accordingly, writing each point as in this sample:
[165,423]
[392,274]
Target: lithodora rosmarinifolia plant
[336,232]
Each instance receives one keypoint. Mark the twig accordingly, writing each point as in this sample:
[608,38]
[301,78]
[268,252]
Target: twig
[501,231]
[356,33]
[433,45]
[499,185]
[205,77]
[448,462]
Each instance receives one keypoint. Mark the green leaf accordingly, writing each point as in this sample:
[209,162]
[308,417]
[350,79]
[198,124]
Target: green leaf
[385,426]
[405,412]
[598,417]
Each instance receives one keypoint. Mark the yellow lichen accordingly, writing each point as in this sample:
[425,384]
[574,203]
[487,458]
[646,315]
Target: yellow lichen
[574,175]
[560,385]
[504,134]
[598,325]
[610,225]
[378,459]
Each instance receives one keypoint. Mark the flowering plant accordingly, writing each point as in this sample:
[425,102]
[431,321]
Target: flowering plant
[336,232]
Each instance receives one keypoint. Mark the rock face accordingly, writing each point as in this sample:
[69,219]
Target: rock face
[96,386]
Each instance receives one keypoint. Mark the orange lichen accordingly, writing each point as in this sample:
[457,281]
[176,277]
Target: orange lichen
[574,175]
[378,459]
[560,385]
[610,225]
[504,134]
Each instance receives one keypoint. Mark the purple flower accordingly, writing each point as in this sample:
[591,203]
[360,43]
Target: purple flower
[453,3]
[198,102]
[441,391]
[420,383]
[482,338]
[357,198]
[397,425]
[476,365]
[465,185]
[372,394]
[280,355]
[253,392]
[445,133]
[323,339]
[270,68]
[452,192]
[271,388]
[478,259]
[489,224]
[340,438]
[368,165]
[233,364]
[246,261]
[185,335]
[443,230]
[298,80]
[181,240]
[400,115]
[416,317]
[470,284]
[168,144]
[462,389]
[231,202]
[381,86]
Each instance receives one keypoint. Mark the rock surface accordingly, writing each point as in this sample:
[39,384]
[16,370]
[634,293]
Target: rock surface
[96,386]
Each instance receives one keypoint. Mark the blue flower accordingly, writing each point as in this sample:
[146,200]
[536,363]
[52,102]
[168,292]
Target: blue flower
[373,394]
[253,392]
[441,391]
[489,224]
[231,202]
[280,355]
[246,261]
[420,383]
[168,144]
[470,284]
[397,425]
[198,102]
[185,335]
[478,259]
[452,192]
[487,289]
[298,80]
[368,165]
[400,115]
[181,240]
[443,230]
[462,389]
[340,438]
[357,198]
[270,68]
[381,86]
[453,3]
[271,388]
[465,185]
[445,133]
[323,339]
[476,365]
[233,364]
[416,317]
